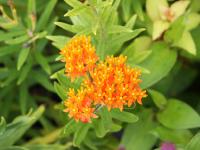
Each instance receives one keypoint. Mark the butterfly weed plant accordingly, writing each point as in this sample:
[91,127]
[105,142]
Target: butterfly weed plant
[113,74]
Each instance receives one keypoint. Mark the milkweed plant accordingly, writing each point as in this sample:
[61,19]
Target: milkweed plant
[99,75]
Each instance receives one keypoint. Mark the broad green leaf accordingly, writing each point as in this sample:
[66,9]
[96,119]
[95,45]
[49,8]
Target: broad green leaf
[22,57]
[71,28]
[99,127]
[42,61]
[158,28]
[178,115]
[176,30]
[186,42]
[137,136]
[106,118]
[124,116]
[153,8]
[174,136]
[80,134]
[115,127]
[161,56]
[179,7]
[193,20]
[158,98]
[43,20]
[18,127]
[62,93]
[194,144]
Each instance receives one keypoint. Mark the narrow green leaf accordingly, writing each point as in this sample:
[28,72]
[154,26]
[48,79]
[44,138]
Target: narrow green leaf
[22,57]
[24,72]
[106,118]
[70,128]
[62,93]
[44,18]
[80,134]
[158,98]
[131,22]
[118,29]
[17,40]
[99,127]
[124,116]
[73,3]
[2,125]
[76,11]
[9,35]
[7,50]
[42,61]
[18,127]
[179,115]
[68,27]
[23,98]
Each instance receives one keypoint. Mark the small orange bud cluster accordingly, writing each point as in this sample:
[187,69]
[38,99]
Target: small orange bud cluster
[79,56]
[110,83]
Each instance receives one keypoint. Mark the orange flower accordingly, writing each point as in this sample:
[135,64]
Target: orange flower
[79,106]
[114,84]
[79,56]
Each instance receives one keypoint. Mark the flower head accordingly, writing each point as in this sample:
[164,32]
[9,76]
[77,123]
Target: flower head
[114,84]
[79,56]
[78,105]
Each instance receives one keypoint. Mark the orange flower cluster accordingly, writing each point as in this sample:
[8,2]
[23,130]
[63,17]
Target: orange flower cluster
[110,83]
[114,84]
[79,106]
[79,56]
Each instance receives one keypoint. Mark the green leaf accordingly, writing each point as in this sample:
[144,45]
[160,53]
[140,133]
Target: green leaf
[71,28]
[9,35]
[18,127]
[106,118]
[58,41]
[73,3]
[2,125]
[124,116]
[131,22]
[175,32]
[44,18]
[186,42]
[178,115]
[70,128]
[80,134]
[137,136]
[161,56]
[7,50]
[23,98]
[17,40]
[22,57]
[158,98]
[42,61]
[76,11]
[46,147]
[153,8]
[137,6]
[174,136]
[62,93]
[194,144]
[158,28]
[14,148]
[43,80]
[24,72]
[99,127]
[118,29]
